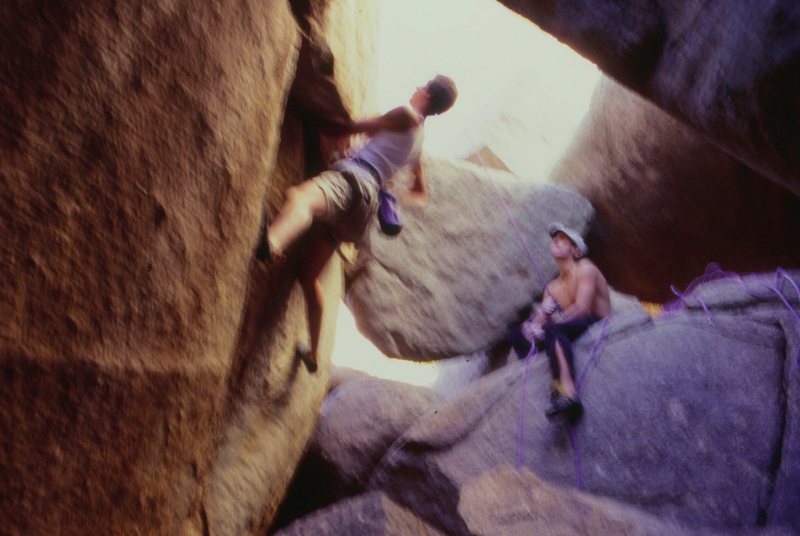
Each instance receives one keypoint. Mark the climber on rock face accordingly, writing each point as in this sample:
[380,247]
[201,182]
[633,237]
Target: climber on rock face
[572,302]
[345,198]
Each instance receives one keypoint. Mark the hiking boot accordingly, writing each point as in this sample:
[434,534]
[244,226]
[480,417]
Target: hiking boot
[564,405]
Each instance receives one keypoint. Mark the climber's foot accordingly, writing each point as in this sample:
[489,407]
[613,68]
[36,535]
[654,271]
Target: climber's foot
[564,405]
[307,356]
[264,250]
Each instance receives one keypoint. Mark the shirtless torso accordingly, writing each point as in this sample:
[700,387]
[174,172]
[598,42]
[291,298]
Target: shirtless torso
[582,291]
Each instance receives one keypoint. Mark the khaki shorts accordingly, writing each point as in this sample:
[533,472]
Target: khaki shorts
[352,197]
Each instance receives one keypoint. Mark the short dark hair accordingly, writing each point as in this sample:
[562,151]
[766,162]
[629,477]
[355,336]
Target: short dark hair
[442,94]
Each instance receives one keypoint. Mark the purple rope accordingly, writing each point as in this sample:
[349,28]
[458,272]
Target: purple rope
[595,354]
[532,353]
[682,299]
[596,349]
[513,223]
[521,423]
[781,273]
[574,442]
[713,271]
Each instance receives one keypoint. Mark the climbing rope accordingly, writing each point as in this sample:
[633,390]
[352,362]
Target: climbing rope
[532,352]
[714,272]
[521,423]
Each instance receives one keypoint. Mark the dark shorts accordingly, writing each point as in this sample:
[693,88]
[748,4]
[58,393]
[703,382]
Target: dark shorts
[351,194]
[564,333]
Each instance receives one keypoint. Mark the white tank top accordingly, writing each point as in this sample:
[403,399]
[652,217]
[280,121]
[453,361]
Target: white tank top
[388,150]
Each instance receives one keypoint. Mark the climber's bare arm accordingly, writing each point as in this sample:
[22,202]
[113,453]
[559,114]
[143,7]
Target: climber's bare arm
[418,193]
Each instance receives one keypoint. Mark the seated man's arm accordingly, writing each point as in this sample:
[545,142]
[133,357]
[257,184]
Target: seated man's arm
[584,296]
[533,328]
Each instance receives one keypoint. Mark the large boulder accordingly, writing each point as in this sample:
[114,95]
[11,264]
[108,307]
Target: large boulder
[669,202]
[359,421]
[372,514]
[507,502]
[728,70]
[149,377]
[136,146]
[458,273]
[685,418]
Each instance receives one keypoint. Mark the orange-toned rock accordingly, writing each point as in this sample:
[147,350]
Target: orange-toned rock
[137,145]
[148,382]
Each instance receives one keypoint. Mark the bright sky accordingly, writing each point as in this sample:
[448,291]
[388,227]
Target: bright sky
[521,92]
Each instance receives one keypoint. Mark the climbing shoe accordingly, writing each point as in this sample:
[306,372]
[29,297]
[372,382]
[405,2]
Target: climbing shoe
[303,352]
[564,405]
[264,247]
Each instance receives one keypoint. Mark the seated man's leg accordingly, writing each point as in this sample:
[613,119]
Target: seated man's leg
[566,376]
[558,343]
[559,355]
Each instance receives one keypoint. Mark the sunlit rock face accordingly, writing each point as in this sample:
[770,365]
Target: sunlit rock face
[149,379]
[669,202]
[728,70]
[669,425]
[458,274]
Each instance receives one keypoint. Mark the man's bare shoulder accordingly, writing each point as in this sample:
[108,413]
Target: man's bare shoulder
[587,268]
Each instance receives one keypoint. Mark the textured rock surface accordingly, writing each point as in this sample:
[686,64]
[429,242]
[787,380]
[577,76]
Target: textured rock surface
[507,502]
[728,70]
[685,419]
[359,422]
[336,63]
[366,515]
[457,275]
[732,294]
[149,382]
[669,202]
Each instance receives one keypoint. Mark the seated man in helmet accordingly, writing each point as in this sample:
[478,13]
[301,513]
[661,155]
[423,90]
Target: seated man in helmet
[572,302]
